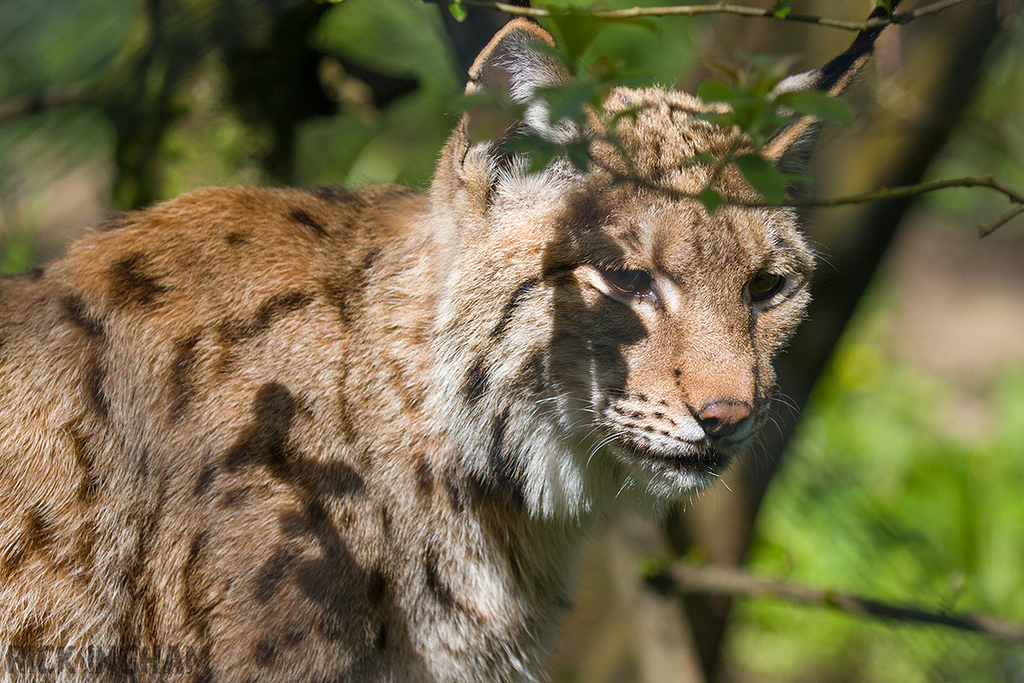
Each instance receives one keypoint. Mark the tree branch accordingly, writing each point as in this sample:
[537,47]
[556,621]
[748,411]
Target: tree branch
[686,578]
[717,8]
[874,196]
[33,104]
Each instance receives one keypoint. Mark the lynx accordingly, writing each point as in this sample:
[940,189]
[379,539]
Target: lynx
[359,435]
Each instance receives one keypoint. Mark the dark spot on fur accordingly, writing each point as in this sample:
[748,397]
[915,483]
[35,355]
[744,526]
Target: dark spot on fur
[640,397]
[265,441]
[203,675]
[265,651]
[292,524]
[316,514]
[385,521]
[272,310]
[303,217]
[377,587]
[454,496]
[130,285]
[345,413]
[330,627]
[335,195]
[475,385]
[204,480]
[424,478]
[88,489]
[511,305]
[196,614]
[503,480]
[234,497]
[337,294]
[36,532]
[441,590]
[369,259]
[236,239]
[84,460]
[113,222]
[270,575]
[95,378]
[181,378]
[382,638]
[35,273]
[78,315]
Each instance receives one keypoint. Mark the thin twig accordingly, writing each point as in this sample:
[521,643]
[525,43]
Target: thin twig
[717,8]
[33,104]
[986,229]
[873,196]
[913,191]
[687,578]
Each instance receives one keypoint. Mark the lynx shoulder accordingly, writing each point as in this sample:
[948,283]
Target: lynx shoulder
[286,435]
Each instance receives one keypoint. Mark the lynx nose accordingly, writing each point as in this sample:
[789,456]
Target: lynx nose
[722,418]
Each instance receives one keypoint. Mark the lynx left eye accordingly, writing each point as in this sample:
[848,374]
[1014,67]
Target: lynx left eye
[765,286]
[632,282]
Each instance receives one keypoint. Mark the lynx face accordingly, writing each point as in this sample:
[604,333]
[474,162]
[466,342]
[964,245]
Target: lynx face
[633,342]
[360,435]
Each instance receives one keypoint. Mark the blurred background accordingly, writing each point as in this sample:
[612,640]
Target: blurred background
[894,468]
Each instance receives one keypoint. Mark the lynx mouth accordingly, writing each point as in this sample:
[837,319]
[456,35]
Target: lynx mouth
[702,457]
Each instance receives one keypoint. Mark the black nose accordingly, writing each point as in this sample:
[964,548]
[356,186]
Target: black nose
[721,418]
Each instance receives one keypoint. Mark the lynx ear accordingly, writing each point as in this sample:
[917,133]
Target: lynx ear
[513,66]
[790,148]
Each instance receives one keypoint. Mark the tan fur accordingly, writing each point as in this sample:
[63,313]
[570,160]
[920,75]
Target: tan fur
[290,435]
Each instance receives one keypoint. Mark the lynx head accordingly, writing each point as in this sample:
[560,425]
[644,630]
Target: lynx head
[599,331]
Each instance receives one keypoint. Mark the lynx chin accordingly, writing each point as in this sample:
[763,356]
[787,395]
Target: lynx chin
[360,435]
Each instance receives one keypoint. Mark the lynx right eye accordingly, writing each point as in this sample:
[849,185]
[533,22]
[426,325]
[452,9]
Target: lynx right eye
[632,282]
[765,286]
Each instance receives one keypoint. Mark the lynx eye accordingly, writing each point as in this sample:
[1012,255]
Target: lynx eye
[632,282]
[765,286]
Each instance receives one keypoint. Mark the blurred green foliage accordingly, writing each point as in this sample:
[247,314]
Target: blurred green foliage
[879,497]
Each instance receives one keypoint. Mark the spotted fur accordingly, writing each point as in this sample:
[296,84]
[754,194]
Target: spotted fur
[359,435]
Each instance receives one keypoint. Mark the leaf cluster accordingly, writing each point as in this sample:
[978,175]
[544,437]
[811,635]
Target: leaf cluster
[758,113]
[754,109]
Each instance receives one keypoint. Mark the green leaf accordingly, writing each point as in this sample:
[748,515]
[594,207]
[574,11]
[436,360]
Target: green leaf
[816,103]
[781,9]
[763,176]
[568,99]
[730,72]
[575,31]
[715,91]
[458,11]
[711,200]
[884,4]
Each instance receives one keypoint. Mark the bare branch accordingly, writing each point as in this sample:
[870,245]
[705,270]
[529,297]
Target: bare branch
[717,8]
[719,580]
[986,229]
[33,104]
[913,191]
[873,196]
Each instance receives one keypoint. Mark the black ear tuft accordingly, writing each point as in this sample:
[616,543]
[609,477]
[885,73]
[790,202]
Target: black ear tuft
[792,145]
